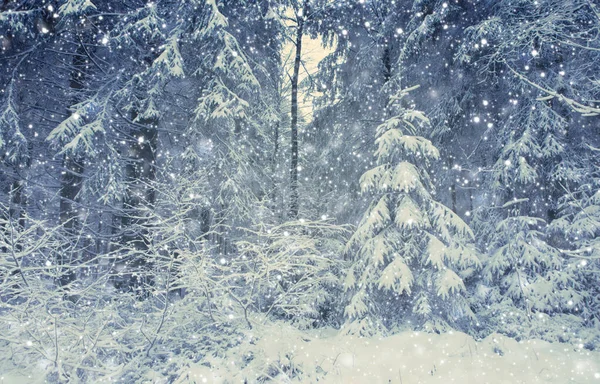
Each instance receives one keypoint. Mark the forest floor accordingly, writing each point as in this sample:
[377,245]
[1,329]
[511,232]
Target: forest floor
[280,353]
[289,355]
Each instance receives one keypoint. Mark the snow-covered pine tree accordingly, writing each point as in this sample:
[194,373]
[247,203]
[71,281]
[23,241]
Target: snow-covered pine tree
[524,272]
[578,232]
[526,269]
[230,110]
[533,138]
[410,253]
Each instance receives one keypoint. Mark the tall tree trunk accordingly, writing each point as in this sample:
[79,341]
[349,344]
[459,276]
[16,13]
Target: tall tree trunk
[294,204]
[387,65]
[453,195]
[275,147]
[449,162]
[471,206]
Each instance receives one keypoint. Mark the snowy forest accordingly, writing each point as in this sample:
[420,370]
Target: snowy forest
[345,191]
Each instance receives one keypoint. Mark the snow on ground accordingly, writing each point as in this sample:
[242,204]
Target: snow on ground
[279,353]
[288,355]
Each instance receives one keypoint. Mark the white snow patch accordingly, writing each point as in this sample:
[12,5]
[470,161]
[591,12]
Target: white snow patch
[285,354]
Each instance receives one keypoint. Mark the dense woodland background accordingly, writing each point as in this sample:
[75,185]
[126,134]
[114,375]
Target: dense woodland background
[171,175]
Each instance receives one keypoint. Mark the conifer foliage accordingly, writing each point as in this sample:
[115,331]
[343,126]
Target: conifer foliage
[410,253]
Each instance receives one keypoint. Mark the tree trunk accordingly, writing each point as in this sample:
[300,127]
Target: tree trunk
[453,195]
[294,204]
[387,65]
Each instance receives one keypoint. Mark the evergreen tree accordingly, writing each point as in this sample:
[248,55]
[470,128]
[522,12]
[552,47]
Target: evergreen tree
[577,232]
[526,269]
[410,253]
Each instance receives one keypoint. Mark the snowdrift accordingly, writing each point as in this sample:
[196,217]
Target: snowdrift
[281,353]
